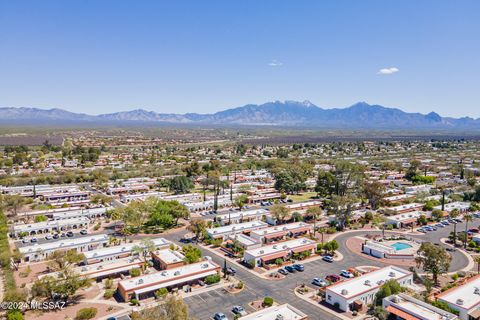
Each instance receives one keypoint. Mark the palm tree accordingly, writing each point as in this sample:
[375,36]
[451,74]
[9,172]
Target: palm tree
[315,212]
[477,261]
[468,217]
[453,214]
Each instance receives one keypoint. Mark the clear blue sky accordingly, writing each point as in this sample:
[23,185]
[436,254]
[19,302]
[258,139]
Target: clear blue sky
[204,56]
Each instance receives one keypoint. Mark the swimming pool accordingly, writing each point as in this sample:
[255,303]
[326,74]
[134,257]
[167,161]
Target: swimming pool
[400,246]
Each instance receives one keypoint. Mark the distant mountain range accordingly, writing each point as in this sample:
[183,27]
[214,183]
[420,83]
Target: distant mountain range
[288,113]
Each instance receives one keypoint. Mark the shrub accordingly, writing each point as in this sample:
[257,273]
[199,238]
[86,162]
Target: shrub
[96,227]
[86,313]
[108,284]
[161,293]
[14,315]
[239,285]
[268,301]
[455,277]
[214,278]
[108,293]
[134,302]
[135,272]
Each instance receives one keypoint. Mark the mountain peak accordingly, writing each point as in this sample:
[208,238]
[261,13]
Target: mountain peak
[278,113]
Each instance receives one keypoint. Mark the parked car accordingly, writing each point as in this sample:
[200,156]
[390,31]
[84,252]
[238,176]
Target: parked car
[48,237]
[282,271]
[63,235]
[327,258]
[56,236]
[333,278]
[34,239]
[319,282]
[220,316]
[83,232]
[445,223]
[290,269]
[299,267]
[439,225]
[24,240]
[422,230]
[239,310]
[231,271]
[69,234]
[346,274]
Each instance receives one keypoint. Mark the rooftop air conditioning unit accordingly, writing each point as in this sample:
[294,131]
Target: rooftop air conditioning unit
[476,291]
[391,274]
[367,283]
[344,292]
[460,302]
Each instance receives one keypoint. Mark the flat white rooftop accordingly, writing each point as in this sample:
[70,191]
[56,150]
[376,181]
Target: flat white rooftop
[463,296]
[169,256]
[368,281]
[459,205]
[409,206]
[417,308]
[50,224]
[242,214]
[279,247]
[103,269]
[238,227]
[82,212]
[401,217]
[281,228]
[199,270]
[272,313]
[297,205]
[125,248]
[64,243]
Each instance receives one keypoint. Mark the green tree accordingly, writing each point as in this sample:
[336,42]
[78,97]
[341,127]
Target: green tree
[387,289]
[279,212]
[181,184]
[453,214]
[240,201]
[468,218]
[198,227]
[192,254]
[173,308]
[374,192]
[433,259]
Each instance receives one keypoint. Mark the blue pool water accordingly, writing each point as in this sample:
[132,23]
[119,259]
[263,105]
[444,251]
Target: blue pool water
[400,246]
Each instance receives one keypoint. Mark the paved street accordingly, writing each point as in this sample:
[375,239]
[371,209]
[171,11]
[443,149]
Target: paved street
[206,304]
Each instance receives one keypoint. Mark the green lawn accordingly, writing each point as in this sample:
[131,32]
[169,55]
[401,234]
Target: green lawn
[302,196]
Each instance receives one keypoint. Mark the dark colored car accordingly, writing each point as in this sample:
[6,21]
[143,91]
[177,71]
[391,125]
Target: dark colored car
[69,234]
[333,278]
[299,267]
[290,269]
[231,271]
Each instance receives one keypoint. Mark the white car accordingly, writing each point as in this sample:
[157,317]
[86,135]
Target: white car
[319,282]
[346,274]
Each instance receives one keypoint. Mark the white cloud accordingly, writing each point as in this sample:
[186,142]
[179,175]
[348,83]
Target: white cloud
[275,63]
[391,70]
